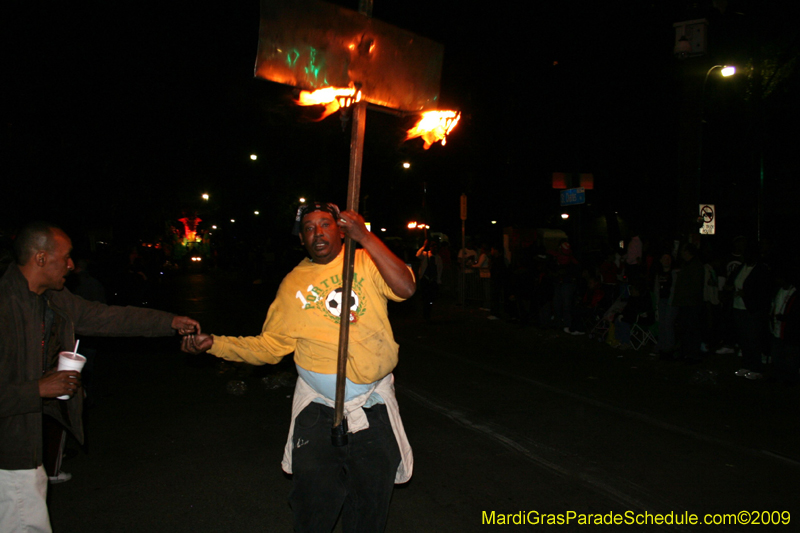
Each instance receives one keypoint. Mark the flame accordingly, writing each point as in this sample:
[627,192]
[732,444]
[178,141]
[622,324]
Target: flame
[434,126]
[332,98]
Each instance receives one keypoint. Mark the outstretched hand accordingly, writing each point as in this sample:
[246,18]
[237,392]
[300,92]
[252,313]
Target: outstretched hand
[196,344]
[185,325]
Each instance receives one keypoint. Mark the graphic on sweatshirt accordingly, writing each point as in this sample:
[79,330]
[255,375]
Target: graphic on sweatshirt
[326,296]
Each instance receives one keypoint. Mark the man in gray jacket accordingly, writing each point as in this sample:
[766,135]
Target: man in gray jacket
[38,319]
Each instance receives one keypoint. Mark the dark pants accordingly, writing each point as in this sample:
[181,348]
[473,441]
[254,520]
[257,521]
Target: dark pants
[689,329]
[497,296]
[356,479]
[713,326]
[486,287]
[786,360]
[727,326]
[750,328]
[666,326]
[563,302]
[54,438]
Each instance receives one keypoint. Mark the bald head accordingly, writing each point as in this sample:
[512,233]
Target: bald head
[43,256]
[33,238]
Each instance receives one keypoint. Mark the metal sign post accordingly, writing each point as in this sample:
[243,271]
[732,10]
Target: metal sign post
[463,273]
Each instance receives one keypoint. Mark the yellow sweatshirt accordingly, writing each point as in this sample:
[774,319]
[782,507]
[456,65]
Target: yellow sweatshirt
[304,318]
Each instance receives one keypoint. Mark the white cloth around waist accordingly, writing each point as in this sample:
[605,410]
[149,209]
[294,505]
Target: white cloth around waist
[357,421]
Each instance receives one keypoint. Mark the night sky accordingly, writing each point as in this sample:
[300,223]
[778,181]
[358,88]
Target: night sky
[123,114]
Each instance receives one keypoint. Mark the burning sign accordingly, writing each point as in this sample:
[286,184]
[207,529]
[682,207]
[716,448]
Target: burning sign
[333,98]
[434,126]
[312,44]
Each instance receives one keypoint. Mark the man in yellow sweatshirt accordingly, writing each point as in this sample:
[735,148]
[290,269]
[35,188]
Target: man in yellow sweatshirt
[355,479]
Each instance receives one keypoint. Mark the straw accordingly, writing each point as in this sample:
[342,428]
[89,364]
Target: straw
[77,342]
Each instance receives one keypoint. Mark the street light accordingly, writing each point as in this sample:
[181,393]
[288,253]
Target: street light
[726,71]
[406,165]
[253,157]
[205,196]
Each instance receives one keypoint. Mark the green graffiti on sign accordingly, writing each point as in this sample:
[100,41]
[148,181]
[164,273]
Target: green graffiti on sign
[289,59]
[313,68]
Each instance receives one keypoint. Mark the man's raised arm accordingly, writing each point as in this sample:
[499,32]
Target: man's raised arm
[393,270]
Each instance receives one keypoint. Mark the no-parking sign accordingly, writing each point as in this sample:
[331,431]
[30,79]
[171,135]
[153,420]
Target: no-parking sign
[708,215]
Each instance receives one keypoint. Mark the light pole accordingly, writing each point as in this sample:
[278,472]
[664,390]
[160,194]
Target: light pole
[725,71]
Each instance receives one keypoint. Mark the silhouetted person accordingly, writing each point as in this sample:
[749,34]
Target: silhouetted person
[688,298]
[752,295]
[784,321]
[430,276]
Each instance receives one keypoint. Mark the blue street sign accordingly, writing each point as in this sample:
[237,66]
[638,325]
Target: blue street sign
[573,196]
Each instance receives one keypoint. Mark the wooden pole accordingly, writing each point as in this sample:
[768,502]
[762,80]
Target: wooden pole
[339,430]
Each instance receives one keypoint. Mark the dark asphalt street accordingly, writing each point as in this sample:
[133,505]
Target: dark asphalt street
[502,419]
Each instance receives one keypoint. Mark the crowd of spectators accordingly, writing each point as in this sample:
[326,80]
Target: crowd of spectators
[690,299]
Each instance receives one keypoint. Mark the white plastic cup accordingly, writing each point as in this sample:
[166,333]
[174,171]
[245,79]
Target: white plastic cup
[70,361]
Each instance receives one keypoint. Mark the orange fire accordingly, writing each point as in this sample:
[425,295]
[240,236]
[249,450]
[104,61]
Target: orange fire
[332,98]
[434,126]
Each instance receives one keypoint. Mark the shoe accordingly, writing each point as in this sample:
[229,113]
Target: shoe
[742,372]
[492,317]
[703,347]
[724,351]
[754,375]
[577,332]
[63,477]
[566,330]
